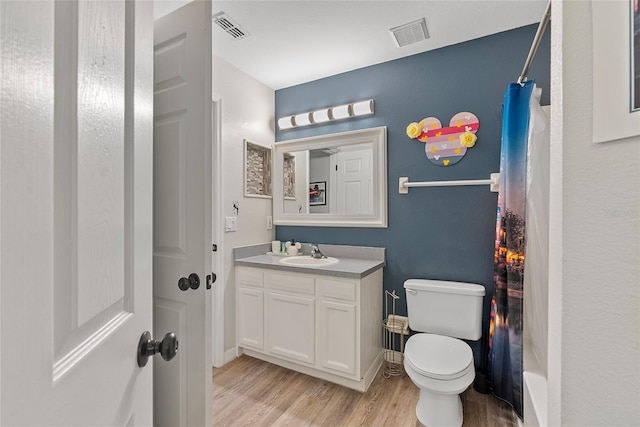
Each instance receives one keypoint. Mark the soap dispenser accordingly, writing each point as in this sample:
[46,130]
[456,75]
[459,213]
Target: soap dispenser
[293,247]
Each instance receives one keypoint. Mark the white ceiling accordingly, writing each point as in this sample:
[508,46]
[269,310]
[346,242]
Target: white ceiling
[293,42]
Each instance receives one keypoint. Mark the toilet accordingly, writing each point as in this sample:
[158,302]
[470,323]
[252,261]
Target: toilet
[437,361]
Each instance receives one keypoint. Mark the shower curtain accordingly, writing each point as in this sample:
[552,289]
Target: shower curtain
[505,334]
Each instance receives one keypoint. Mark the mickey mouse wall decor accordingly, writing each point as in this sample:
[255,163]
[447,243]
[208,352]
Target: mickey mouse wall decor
[446,146]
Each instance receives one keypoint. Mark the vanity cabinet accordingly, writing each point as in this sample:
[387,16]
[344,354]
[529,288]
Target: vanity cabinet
[324,326]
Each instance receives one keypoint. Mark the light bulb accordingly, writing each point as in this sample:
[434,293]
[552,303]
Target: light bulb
[321,116]
[340,112]
[302,119]
[285,122]
[362,108]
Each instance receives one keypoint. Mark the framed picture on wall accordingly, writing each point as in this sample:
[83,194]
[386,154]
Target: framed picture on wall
[317,193]
[616,70]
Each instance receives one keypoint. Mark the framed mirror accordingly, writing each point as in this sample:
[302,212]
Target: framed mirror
[334,180]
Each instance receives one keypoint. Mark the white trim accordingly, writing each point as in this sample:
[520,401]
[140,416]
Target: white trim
[557,199]
[217,234]
[361,385]
[230,354]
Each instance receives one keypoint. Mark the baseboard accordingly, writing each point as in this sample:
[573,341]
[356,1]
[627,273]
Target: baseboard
[227,357]
[230,354]
[309,370]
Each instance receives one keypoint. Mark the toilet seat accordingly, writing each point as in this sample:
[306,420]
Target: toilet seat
[438,357]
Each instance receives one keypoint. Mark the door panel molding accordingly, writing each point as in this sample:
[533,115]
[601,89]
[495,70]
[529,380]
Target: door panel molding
[63,365]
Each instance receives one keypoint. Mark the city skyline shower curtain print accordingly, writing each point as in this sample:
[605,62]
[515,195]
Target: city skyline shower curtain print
[505,334]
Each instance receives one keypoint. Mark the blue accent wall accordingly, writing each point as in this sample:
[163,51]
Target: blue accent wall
[444,233]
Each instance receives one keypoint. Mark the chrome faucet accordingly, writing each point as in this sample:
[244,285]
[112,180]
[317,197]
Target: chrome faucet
[316,253]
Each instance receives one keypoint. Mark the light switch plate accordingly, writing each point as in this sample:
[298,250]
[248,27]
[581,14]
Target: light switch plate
[269,222]
[231,223]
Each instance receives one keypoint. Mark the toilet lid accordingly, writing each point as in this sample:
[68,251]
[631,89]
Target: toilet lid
[437,356]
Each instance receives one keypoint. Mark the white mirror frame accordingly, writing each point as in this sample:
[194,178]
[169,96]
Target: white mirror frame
[377,136]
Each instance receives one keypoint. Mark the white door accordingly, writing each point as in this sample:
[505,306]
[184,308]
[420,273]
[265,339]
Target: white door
[354,181]
[76,212]
[182,212]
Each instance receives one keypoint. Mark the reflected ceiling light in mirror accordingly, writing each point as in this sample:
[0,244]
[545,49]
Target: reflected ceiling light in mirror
[346,111]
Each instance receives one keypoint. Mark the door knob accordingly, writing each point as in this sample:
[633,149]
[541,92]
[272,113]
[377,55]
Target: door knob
[167,348]
[192,282]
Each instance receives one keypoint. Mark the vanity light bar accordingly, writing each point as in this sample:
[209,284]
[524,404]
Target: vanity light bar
[339,112]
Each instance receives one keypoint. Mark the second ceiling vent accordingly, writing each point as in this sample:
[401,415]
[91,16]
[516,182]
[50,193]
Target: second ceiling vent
[412,32]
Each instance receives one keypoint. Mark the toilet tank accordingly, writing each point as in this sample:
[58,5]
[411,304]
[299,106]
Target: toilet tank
[446,308]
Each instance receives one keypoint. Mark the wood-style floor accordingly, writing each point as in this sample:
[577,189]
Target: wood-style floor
[250,392]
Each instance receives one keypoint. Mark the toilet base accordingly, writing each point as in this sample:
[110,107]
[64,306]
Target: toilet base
[439,410]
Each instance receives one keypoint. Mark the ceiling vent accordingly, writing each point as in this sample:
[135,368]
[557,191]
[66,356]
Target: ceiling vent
[225,22]
[410,33]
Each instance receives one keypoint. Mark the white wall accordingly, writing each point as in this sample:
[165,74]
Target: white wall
[594,313]
[247,113]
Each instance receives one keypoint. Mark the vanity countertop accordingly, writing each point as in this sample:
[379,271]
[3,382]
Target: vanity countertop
[347,267]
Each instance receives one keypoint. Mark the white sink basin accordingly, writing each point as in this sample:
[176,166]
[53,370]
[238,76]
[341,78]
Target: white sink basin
[307,261]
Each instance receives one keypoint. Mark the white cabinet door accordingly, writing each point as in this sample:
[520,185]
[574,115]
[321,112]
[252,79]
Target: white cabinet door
[76,212]
[337,340]
[250,315]
[291,326]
